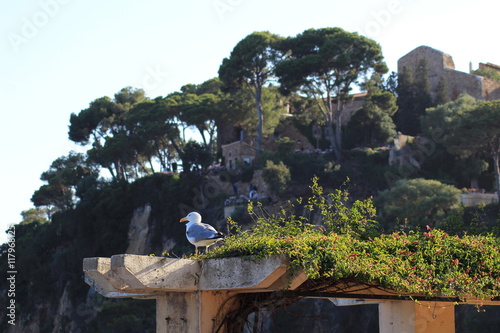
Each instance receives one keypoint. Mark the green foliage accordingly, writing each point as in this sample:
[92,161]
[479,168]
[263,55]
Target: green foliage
[325,64]
[473,220]
[442,92]
[133,316]
[373,125]
[488,72]
[284,146]
[62,178]
[429,263]
[31,215]
[437,120]
[371,164]
[251,64]
[482,125]
[196,155]
[304,166]
[277,176]
[103,125]
[339,215]
[438,124]
[413,98]
[417,202]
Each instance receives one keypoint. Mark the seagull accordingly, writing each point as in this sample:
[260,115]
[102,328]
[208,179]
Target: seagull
[200,234]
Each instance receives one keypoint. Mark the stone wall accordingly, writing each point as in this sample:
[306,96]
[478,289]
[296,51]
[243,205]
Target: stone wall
[238,153]
[442,65]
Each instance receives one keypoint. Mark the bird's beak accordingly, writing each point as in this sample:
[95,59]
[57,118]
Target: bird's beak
[184,219]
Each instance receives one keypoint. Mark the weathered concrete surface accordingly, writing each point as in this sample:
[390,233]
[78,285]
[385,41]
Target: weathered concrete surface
[241,273]
[194,296]
[473,199]
[191,296]
[149,274]
[98,275]
[134,274]
[412,317]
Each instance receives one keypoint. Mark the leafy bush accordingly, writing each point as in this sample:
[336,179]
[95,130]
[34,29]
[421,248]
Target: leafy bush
[284,146]
[131,316]
[429,263]
[304,166]
[277,176]
[417,202]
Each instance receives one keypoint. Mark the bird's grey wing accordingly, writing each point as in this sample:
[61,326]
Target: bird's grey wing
[202,231]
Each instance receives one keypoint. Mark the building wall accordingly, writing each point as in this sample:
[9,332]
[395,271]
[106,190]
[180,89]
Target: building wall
[442,65]
[237,153]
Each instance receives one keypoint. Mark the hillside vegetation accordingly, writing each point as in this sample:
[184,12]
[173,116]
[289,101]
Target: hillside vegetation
[381,222]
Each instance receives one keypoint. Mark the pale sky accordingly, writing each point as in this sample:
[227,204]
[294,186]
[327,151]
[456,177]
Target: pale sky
[59,55]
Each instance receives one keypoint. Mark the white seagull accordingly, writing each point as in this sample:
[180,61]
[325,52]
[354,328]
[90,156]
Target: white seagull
[200,234]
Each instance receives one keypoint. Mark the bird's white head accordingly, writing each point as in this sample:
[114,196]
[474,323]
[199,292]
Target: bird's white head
[192,217]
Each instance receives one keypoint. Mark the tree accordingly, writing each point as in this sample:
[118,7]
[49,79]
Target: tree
[196,155]
[325,64]
[488,72]
[252,64]
[100,123]
[423,99]
[413,98]
[62,178]
[202,106]
[37,215]
[437,124]
[419,202]
[442,92]
[153,128]
[477,131]
[372,124]
[277,176]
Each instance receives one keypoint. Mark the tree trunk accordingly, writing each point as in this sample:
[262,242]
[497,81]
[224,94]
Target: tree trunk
[496,170]
[260,117]
[338,128]
[337,149]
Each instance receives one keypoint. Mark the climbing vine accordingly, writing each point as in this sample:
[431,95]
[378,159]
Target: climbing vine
[344,248]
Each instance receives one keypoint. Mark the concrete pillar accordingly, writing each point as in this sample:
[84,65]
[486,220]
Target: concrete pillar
[194,296]
[202,311]
[413,317]
[177,313]
[214,306]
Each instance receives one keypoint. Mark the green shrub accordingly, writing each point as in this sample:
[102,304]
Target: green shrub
[417,203]
[277,176]
[284,146]
[428,263]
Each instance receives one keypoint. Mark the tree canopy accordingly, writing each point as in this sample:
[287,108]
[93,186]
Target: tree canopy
[325,64]
[252,64]
[414,97]
[372,125]
[477,131]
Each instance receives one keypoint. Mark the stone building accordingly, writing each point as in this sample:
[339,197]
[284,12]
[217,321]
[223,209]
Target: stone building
[442,65]
[238,153]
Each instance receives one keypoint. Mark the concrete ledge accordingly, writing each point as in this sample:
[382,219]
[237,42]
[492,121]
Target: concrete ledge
[241,273]
[473,199]
[129,274]
[147,273]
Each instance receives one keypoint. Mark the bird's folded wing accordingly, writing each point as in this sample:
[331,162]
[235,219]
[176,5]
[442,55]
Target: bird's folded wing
[202,231]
